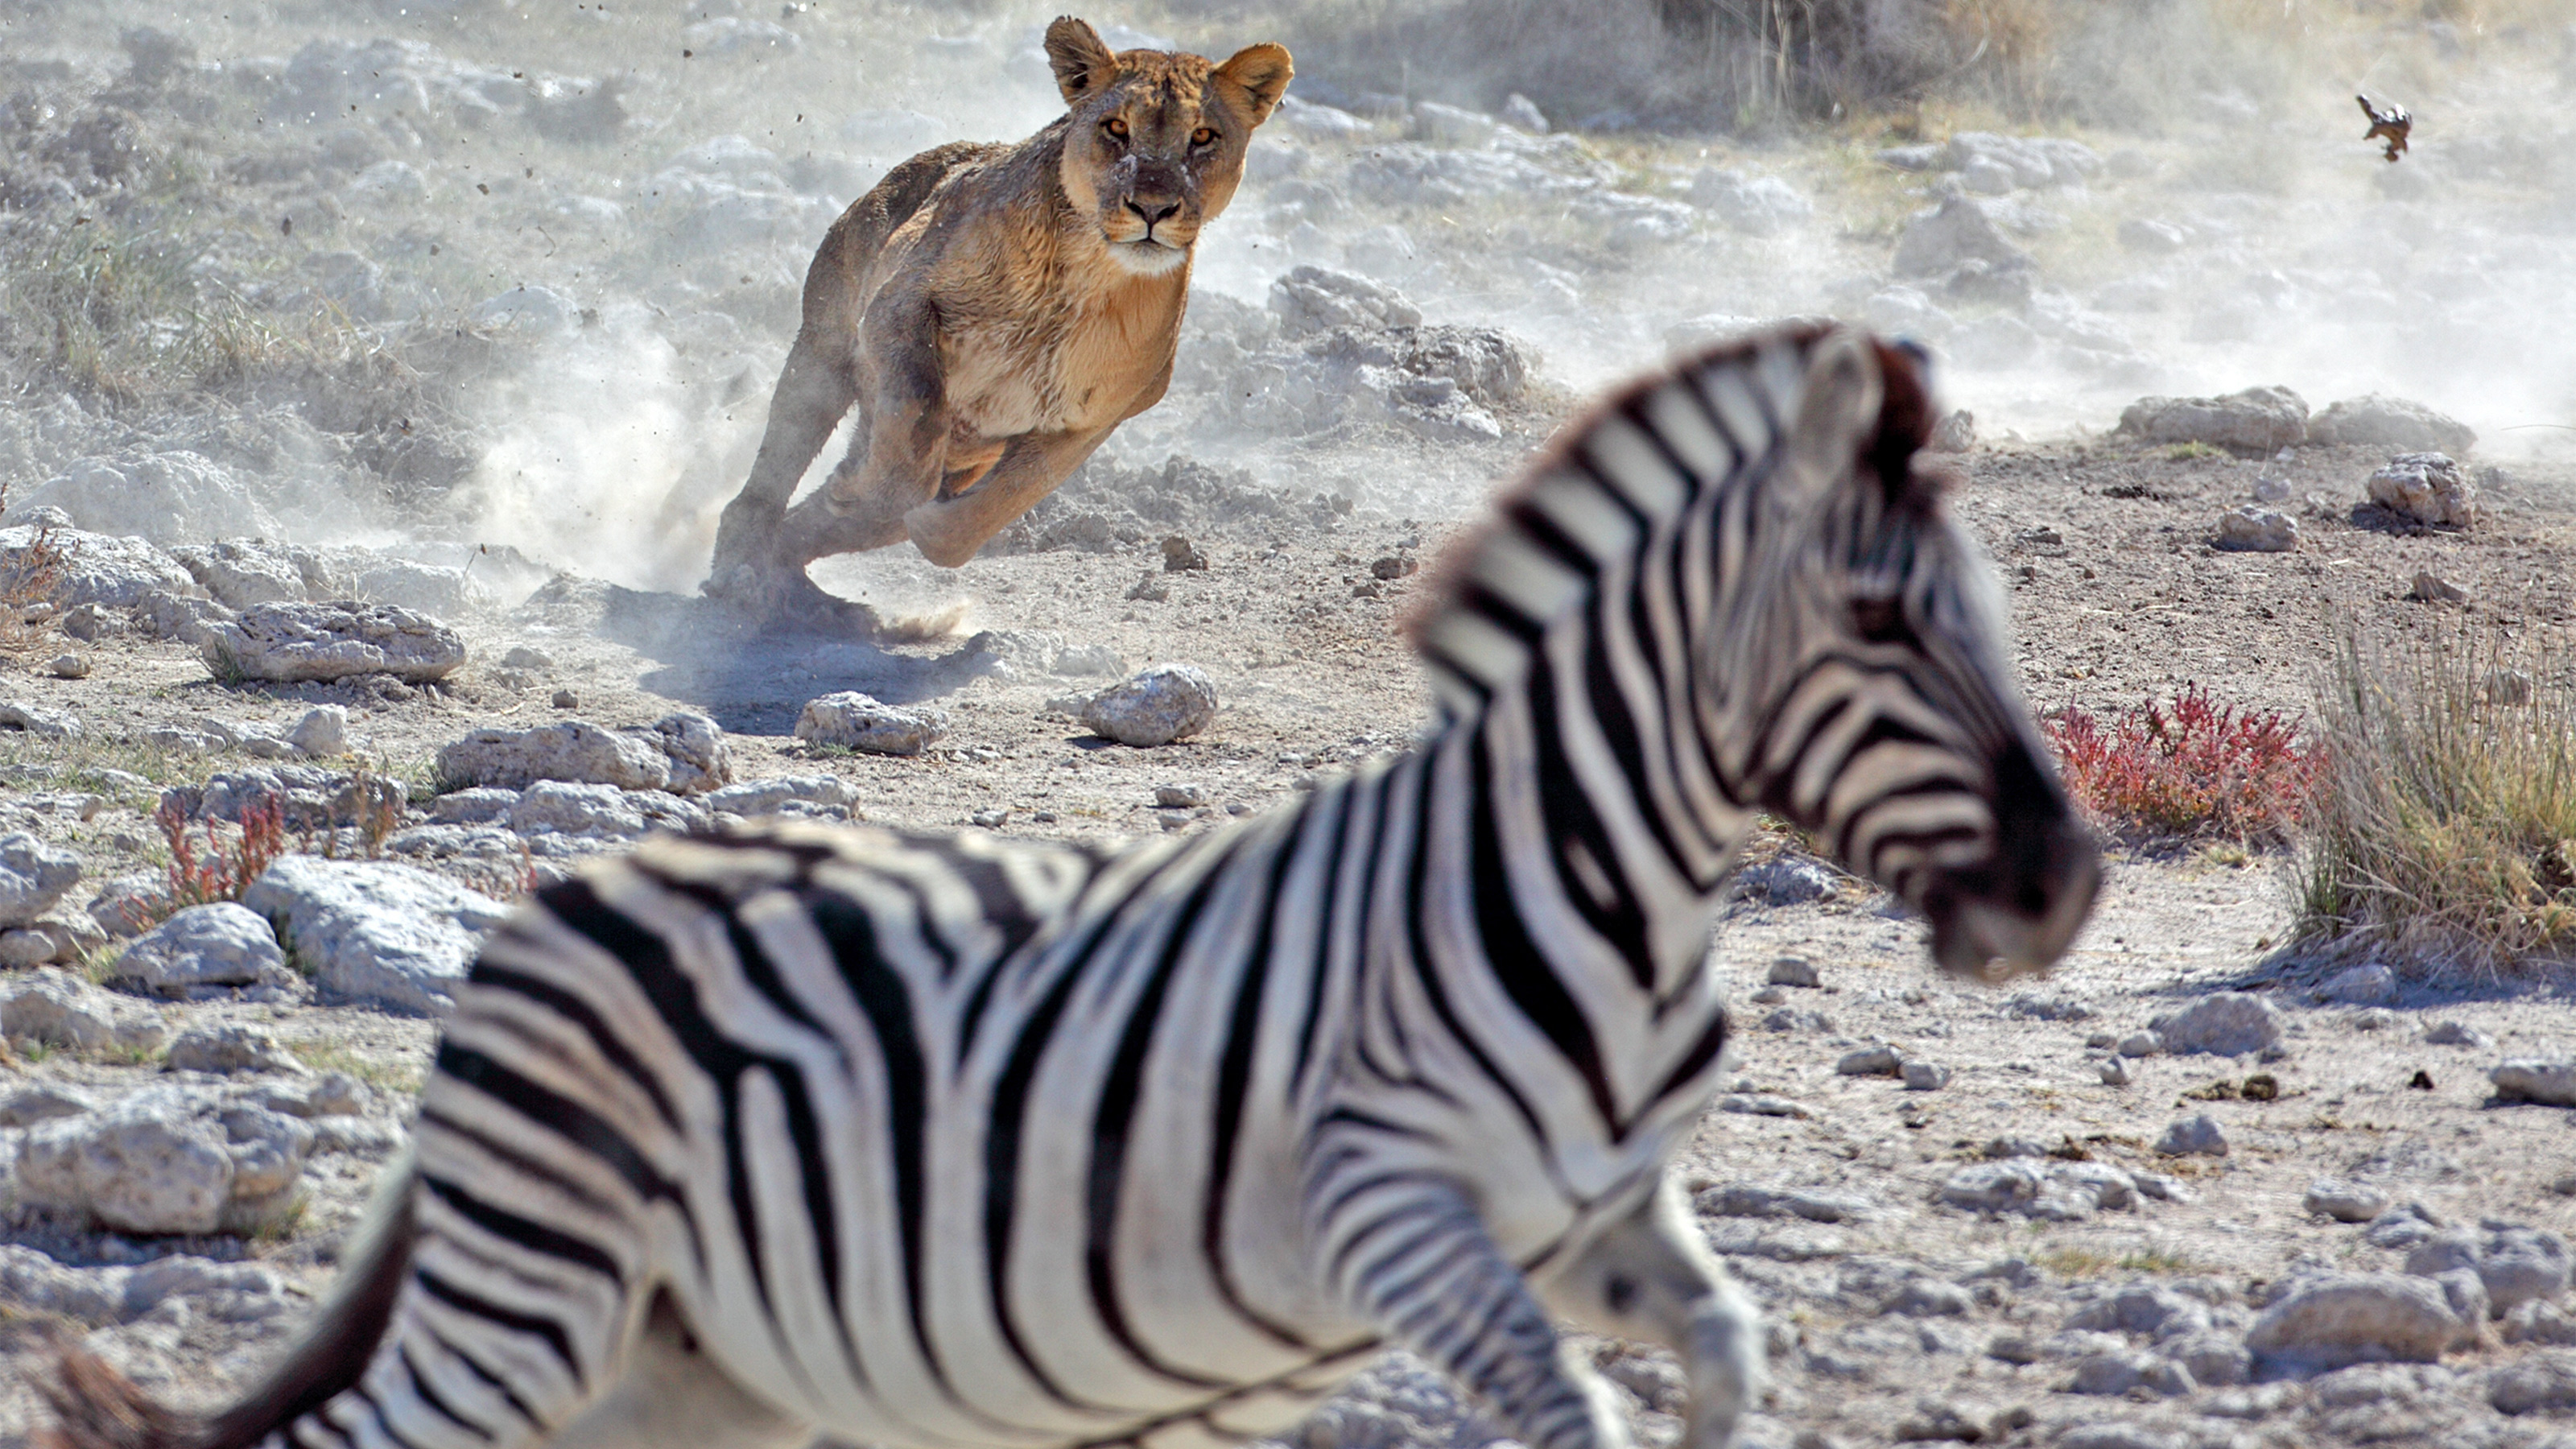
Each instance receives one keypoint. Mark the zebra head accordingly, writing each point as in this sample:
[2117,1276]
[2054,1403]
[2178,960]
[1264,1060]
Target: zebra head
[1866,666]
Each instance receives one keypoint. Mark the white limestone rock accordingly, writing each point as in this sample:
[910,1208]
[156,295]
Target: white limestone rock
[203,950]
[376,933]
[291,642]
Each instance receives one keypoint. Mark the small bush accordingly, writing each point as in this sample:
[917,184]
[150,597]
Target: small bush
[31,589]
[220,870]
[2443,833]
[2189,769]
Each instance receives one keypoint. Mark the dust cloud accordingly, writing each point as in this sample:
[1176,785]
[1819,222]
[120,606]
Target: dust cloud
[576,233]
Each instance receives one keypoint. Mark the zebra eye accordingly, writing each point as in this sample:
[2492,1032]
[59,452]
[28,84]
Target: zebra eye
[1880,621]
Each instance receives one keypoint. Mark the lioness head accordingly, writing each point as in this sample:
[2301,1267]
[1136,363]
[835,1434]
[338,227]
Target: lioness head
[1154,140]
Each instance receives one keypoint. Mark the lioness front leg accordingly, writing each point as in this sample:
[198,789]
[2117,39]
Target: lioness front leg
[814,391]
[1651,1277]
[897,460]
[948,531]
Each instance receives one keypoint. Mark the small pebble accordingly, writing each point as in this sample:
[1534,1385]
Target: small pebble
[566,699]
[2141,1044]
[2115,1072]
[1770,996]
[523,657]
[2193,1137]
[1180,797]
[1926,1076]
[1793,971]
[989,819]
[70,666]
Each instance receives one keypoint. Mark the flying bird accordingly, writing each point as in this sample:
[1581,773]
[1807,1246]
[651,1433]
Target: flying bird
[2390,125]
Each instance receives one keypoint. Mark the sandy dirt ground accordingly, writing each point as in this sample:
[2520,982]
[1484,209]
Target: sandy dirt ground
[2004,1255]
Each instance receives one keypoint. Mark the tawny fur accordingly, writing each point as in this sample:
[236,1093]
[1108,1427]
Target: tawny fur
[993,312]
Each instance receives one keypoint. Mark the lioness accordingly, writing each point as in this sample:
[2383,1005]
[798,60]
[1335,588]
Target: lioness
[994,311]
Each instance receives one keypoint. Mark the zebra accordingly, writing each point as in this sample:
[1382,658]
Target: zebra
[962,1142]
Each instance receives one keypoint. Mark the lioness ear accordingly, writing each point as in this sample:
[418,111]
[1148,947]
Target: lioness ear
[1082,64]
[1263,71]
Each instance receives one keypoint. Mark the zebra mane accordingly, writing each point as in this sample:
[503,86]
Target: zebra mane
[1754,384]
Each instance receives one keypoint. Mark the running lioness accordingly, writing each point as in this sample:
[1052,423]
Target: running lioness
[994,311]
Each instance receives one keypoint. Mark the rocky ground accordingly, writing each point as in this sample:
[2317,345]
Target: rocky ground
[416,610]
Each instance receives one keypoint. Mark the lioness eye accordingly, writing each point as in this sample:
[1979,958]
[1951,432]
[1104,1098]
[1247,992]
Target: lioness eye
[1203,136]
[1116,126]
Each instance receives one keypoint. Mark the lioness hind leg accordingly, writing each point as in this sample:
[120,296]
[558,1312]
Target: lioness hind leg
[1650,1277]
[814,392]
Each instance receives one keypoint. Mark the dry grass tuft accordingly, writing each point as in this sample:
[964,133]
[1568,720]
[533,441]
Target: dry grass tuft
[2443,833]
[2190,769]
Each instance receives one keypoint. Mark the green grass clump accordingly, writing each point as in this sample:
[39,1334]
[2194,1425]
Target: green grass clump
[2442,837]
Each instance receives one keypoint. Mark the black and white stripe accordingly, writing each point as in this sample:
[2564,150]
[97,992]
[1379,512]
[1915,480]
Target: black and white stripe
[934,1141]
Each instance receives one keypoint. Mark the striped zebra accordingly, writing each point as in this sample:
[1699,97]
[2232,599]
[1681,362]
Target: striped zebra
[935,1142]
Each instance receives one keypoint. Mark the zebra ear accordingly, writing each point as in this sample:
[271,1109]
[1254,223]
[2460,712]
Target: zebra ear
[1837,418]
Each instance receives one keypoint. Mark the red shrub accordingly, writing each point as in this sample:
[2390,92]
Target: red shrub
[2193,767]
[224,869]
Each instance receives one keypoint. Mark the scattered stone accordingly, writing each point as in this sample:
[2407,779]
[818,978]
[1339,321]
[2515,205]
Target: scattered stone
[990,819]
[50,724]
[33,876]
[2345,1202]
[2142,1044]
[1753,205]
[1182,556]
[1160,704]
[73,665]
[2389,422]
[1923,1076]
[2403,1226]
[523,657]
[682,752]
[1793,971]
[2375,1018]
[57,1008]
[565,699]
[2336,1319]
[1937,242]
[376,933]
[1868,1061]
[1149,589]
[1310,300]
[1393,566]
[2426,487]
[231,1048]
[1760,1104]
[2545,1380]
[854,721]
[2523,1079]
[1188,796]
[2370,984]
[2115,1072]
[204,949]
[2429,588]
[2224,1023]
[827,795]
[2248,529]
[323,733]
[1745,1200]
[100,570]
[2515,1265]
[2256,422]
[2193,1136]
[1787,880]
[288,642]
[2117,1372]
[1955,433]
[2533,1321]
[1994,1187]
[2457,1033]
[172,1158]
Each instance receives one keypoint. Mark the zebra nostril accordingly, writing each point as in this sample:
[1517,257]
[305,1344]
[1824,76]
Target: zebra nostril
[1620,1293]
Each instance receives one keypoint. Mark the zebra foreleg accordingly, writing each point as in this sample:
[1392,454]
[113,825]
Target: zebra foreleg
[673,1396]
[1651,1277]
[1423,1269]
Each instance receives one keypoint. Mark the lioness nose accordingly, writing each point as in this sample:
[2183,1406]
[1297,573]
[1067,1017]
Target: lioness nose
[1154,210]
